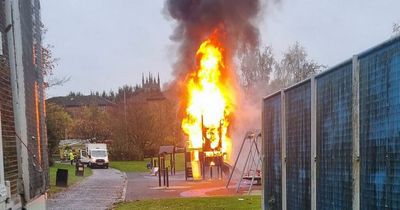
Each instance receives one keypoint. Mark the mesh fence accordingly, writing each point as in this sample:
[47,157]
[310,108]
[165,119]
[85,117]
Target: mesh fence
[379,141]
[272,148]
[334,139]
[298,146]
[380,127]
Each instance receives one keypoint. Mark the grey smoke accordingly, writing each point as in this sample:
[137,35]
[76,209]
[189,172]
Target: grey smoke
[197,19]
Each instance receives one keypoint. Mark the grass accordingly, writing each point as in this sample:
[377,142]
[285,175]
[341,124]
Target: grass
[72,179]
[235,202]
[140,166]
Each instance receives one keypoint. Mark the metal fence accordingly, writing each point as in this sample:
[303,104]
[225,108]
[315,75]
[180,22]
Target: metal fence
[298,146]
[380,127]
[272,120]
[333,127]
[336,143]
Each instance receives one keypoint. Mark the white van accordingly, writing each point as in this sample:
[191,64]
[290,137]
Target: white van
[95,155]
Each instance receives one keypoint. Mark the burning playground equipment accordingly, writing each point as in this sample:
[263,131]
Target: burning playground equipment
[207,83]
[207,158]
[208,109]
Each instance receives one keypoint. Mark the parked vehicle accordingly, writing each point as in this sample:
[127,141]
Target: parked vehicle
[95,155]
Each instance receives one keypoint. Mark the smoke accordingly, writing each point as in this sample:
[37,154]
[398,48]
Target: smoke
[195,20]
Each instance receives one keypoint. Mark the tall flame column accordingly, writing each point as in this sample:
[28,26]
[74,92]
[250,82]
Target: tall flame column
[209,103]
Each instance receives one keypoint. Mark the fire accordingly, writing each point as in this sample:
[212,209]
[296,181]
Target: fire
[210,101]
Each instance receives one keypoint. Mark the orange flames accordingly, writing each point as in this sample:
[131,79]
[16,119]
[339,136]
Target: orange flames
[210,103]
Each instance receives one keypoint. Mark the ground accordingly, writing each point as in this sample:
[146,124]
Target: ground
[179,188]
[140,166]
[99,191]
[231,202]
[141,190]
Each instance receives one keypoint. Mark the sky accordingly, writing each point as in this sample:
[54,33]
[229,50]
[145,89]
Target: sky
[102,44]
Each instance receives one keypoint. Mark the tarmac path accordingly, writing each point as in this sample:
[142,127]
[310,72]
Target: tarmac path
[98,191]
[142,186]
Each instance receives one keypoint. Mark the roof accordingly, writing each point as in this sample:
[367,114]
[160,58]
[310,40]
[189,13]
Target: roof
[71,142]
[76,101]
[148,96]
[166,149]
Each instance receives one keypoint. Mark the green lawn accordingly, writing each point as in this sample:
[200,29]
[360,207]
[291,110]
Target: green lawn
[140,166]
[72,179]
[236,202]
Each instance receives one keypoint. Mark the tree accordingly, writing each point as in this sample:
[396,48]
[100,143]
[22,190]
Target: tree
[49,64]
[125,92]
[396,28]
[141,126]
[58,126]
[295,66]
[92,123]
[256,68]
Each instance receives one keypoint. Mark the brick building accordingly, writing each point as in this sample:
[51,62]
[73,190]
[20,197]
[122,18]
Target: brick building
[23,139]
[7,129]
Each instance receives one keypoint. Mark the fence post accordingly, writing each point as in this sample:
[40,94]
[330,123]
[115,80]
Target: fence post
[159,171]
[313,143]
[356,133]
[283,136]
[167,176]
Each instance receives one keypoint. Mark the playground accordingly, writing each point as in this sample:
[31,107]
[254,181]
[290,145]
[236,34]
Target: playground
[167,178]
[142,186]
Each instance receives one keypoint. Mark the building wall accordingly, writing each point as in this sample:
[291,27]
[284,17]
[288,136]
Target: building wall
[25,77]
[33,79]
[353,105]
[6,111]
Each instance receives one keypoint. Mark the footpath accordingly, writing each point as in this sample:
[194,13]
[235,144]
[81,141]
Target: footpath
[99,191]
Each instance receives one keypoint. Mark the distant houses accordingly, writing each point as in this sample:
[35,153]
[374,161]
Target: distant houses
[73,104]
[134,119]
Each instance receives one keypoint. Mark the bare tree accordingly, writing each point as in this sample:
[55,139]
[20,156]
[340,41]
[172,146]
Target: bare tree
[256,68]
[49,63]
[396,28]
[295,66]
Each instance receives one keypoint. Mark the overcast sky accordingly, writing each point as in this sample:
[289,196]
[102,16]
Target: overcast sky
[104,44]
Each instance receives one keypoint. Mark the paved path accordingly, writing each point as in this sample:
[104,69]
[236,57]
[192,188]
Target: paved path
[142,186]
[98,191]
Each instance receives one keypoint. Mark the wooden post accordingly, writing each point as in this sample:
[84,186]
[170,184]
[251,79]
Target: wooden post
[185,165]
[171,162]
[174,162]
[159,171]
[167,177]
[203,160]
[211,171]
[163,167]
